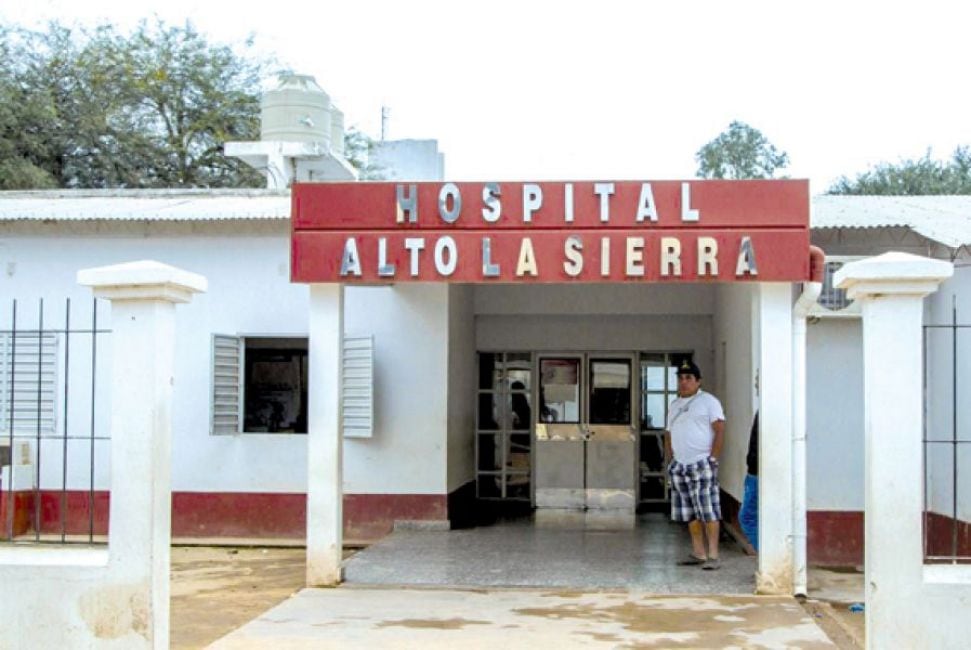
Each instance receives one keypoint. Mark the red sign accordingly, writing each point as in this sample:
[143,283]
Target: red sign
[667,231]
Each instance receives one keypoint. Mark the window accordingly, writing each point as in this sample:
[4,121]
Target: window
[658,388]
[260,385]
[28,372]
[504,421]
[833,301]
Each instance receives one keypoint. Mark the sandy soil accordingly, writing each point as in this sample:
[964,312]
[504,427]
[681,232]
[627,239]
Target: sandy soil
[215,590]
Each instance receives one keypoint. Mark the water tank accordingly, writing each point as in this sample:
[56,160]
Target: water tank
[336,130]
[297,110]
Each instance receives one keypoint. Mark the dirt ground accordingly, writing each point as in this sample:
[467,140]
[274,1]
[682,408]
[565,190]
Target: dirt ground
[217,589]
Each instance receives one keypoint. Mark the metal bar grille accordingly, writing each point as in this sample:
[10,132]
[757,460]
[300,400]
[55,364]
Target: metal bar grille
[40,420]
[942,445]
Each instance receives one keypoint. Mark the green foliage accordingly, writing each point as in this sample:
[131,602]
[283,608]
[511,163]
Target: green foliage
[913,177]
[99,108]
[740,152]
[358,150]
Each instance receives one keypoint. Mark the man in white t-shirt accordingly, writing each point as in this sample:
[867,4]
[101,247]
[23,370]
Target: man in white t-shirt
[694,437]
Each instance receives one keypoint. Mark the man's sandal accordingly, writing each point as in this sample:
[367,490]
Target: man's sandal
[692,560]
[711,564]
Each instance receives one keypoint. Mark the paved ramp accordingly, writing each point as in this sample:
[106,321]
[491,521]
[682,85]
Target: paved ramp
[349,617]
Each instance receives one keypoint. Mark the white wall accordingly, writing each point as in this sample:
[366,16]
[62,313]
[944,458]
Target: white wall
[595,317]
[734,378]
[597,299]
[413,160]
[247,264]
[834,414]
[410,324]
[461,386]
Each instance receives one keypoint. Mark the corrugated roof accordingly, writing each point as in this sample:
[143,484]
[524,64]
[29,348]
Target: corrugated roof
[944,219]
[144,205]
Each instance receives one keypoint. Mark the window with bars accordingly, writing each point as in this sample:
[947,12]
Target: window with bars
[28,377]
[831,298]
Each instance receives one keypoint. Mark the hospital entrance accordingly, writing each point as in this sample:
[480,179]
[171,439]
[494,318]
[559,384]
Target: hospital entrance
[575,432]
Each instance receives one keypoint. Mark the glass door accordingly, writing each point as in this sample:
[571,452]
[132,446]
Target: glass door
[560,433]
[585,445]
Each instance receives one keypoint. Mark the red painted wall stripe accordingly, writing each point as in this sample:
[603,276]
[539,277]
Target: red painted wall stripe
[367,517]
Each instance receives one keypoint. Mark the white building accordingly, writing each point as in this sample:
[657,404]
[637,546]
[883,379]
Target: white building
[246,476]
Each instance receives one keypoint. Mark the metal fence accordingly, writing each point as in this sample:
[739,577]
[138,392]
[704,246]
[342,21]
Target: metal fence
[53,427]
[947,442]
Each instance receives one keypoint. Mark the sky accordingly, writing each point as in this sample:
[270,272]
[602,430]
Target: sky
[602,89]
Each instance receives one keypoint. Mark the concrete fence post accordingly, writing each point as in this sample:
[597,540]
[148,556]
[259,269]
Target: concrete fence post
[143,297]
[904,609]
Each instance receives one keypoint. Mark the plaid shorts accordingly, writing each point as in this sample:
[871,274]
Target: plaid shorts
[694,493]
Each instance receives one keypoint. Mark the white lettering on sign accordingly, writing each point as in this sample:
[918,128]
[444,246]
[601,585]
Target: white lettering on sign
[573,250]
[746,259]
[384,269]
[687,213]
[707,256]
[605,257]
[646,209]
[489,270]
[448,196]
[532,200]
[493,208]
[568,203]
[414,246]
[406,203]
[350,260]
[446,256]
[604,191]
[527,259]
[670,256]
[635,256]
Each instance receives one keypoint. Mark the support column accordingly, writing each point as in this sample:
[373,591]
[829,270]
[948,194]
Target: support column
[325,490]
[143,297]
[891,288]
[775,442]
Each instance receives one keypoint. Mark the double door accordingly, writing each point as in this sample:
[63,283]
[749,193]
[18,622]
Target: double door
[586,432]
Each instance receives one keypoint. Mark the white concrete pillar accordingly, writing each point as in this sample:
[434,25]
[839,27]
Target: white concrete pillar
[143,297]
[775,441]
[891,288]
[324,445]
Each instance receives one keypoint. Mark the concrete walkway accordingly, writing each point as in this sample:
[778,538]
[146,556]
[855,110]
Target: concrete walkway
[366,617]
[578,553]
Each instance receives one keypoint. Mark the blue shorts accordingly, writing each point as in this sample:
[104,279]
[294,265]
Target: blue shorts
[695,493]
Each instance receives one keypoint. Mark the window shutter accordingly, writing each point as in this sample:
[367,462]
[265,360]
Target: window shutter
[357,387]
[34,359]
[227,381]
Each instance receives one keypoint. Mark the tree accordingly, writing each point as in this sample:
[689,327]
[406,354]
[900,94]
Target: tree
[101,108]
[913,177]
[740,152]
[359,150]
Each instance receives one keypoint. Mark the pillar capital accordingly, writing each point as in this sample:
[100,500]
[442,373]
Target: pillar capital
[892,274]
[144,280]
